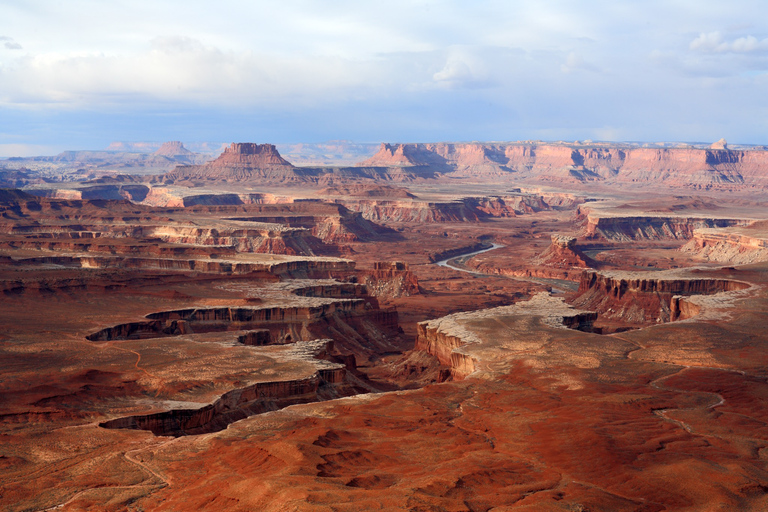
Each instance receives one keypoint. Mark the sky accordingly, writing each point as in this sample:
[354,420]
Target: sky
[79,74]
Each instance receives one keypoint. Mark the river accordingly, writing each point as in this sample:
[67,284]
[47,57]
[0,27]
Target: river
[557,285]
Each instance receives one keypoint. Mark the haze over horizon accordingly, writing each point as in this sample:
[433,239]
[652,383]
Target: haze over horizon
[81,74]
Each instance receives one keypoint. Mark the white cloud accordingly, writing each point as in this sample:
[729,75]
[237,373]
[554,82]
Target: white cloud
[181,69]
[464,68]
[387,67]
[714,42]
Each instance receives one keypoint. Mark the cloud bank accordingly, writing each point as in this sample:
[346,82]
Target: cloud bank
[418,70]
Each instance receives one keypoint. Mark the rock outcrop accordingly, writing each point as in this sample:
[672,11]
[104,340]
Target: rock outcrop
[563,253]
[240,162]
[642,298]
[235,405]
[390,279]
[715,168]
[174,149]
[735,246]
[652,227]
[467,209]
[343,312]
[458,347]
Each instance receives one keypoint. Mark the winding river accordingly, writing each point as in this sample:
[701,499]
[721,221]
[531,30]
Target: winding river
[456,263]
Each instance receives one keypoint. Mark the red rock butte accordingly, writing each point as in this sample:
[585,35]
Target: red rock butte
[250,155]
[173,149]
[241,161]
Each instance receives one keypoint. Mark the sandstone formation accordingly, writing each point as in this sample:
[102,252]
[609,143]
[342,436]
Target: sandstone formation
[638,298]
[737,245]
[390,279]
[236,405]
[298,229]
[240,162]
[564,254]
[718,168]
[447,338]
[616,221]
[467,209]
[174,149]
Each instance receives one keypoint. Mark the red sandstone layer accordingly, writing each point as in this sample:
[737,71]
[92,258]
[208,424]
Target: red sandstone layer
[700,168]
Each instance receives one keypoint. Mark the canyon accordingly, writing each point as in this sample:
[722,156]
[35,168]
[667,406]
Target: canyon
[428,326]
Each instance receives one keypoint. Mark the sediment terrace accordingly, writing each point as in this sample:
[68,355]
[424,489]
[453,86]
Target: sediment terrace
[645,220]
[613,298]
[461,349]
[642,298]
[303,323]
[736,246]
[326,383]
[466,209]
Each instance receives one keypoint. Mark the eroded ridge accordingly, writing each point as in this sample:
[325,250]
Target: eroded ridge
[328,382]
[642,298]
[459,347]
[309,310]
[306,309]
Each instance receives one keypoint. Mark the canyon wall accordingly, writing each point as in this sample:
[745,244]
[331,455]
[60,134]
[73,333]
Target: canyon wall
[641,298]
[327,382]
[454,341]
[687,167]
[652,227]
[732,246]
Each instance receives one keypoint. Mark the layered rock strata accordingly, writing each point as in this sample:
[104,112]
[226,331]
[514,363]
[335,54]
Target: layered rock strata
[686,167]
[460,348]
[240,162]
[389,279]
[563,254]
[639,298]
[238,404]
[467,209]
[652,227]
[732,245]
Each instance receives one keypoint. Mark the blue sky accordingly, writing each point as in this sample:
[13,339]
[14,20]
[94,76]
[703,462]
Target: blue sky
[80,74]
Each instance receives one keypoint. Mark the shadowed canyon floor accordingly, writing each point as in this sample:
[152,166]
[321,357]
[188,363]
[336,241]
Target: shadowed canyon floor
[294,346]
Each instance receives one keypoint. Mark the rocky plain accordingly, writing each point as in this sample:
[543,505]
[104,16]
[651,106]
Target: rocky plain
[434,327]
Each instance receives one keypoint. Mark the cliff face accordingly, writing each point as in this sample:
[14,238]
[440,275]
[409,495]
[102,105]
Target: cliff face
[327,382]
[652,227]
[390,279]
[440,156]
[733,246]
[468,209]
[455,342]
[343,312]
[247,154]
[687,167]
[638,298]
